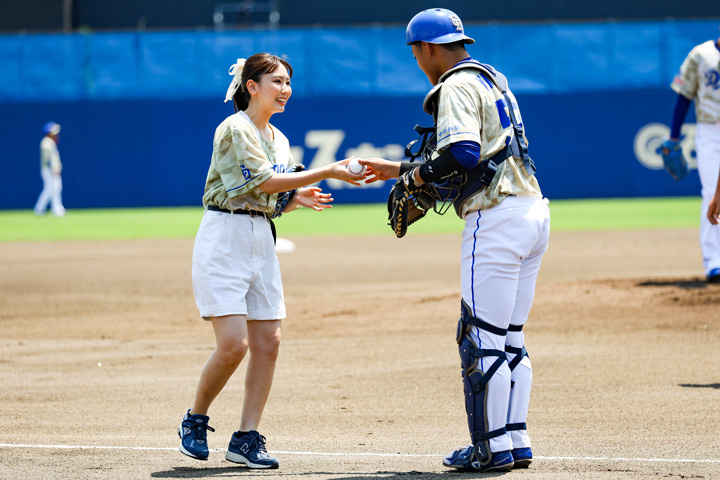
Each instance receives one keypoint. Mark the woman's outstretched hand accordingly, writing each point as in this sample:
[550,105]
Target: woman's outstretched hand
[312,197]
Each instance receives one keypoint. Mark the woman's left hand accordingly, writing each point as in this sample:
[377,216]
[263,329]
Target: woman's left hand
[312,197]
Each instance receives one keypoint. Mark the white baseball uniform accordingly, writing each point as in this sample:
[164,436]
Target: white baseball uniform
[699,79]
[50,169]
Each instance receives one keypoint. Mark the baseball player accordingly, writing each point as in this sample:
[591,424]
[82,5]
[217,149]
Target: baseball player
[507,224]
[699,79]
[50,169]
[235,271]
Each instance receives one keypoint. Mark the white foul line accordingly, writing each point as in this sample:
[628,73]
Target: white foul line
[360,454]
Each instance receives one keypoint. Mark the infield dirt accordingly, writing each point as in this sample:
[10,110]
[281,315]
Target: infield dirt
[102,347]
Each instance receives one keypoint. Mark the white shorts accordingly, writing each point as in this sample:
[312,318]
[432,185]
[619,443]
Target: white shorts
[235,270]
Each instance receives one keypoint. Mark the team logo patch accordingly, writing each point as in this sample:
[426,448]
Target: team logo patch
[456,21]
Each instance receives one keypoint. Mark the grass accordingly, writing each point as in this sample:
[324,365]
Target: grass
[369,219]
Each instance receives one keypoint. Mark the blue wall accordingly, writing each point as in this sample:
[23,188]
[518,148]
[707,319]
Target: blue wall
[156,153]
[139,110]
[350,61]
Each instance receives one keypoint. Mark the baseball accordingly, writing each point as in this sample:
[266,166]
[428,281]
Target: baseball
[355,168]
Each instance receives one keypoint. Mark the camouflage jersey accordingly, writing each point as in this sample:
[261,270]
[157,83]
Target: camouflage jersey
[241,161]
[699,79]
[49,155]
[469,109]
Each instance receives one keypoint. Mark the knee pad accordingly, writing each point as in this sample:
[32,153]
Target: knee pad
[475,380]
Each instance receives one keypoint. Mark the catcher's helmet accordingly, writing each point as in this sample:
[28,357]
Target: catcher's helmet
[436,25]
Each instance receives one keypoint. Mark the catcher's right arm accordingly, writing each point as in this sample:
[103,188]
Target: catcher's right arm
[673,159]
[408,203]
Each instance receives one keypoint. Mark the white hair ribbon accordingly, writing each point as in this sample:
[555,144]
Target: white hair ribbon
[236,71]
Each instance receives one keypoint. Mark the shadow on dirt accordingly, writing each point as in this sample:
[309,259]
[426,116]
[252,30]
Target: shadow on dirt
[686,284]
[695,385]
[232,472]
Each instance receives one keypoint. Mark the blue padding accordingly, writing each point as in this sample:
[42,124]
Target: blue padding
[10,66]
[169,64]
[114,66]
[583,61]
[351,61]
[636,55]
[53,67]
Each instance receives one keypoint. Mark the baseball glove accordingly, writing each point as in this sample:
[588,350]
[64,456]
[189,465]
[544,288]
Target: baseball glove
[408,203]
[673,159]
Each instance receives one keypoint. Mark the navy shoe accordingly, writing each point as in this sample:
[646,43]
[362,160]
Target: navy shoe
[523,457]
[463,459]
[713,275]
[193,436]
[250,450]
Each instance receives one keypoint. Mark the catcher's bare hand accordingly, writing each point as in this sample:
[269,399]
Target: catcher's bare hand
[380,169]
[713,213]
[339,171]
[312,197]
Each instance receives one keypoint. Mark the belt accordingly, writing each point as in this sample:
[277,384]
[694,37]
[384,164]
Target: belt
[252,213]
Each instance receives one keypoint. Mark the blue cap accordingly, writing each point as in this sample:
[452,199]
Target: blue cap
[436,25]
[51,127]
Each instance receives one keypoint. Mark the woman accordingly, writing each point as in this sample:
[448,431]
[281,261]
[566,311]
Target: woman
[235,271]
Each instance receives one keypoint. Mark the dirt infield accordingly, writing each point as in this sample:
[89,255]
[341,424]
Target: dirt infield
[102,347]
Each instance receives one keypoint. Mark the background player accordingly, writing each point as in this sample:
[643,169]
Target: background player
[50,170]
[699,79]
[713,213]
[235,270]
[506,233]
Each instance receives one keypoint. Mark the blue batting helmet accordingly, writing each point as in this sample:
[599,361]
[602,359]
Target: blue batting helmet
[436,25]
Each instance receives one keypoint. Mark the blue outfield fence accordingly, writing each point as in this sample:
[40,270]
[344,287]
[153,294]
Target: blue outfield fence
[541,58]
[139,110]
[157,152]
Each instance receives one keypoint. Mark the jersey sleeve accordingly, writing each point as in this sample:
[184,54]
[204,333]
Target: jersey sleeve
[457,118]
[686,80]
[240,160]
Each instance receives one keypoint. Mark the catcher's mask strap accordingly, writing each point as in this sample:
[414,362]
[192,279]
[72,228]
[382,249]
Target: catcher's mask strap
[425,133]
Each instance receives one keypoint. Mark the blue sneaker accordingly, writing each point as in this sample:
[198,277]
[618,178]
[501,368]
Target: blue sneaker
[463,459]
[250,450]
[523,457]
[713,275]
[193,436]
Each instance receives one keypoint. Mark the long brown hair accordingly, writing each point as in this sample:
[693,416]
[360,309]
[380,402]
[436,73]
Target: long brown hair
[255,67]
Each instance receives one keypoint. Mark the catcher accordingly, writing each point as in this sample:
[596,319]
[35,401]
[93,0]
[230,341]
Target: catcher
[475,159]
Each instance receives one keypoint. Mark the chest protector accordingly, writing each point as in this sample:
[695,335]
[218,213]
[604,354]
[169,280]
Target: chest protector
[460,188]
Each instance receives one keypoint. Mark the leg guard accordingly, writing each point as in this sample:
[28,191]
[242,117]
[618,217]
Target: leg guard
[475,380]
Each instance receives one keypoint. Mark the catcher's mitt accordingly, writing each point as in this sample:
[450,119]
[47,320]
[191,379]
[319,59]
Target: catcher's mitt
[408,203]
[673,159]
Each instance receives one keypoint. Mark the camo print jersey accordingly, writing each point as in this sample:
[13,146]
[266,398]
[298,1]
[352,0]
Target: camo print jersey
[471,108]
[699,80]
[241,161]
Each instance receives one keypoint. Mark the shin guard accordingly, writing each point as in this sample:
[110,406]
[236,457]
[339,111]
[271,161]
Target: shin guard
[475,381]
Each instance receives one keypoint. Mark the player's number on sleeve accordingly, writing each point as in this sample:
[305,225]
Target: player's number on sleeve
[245,172]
